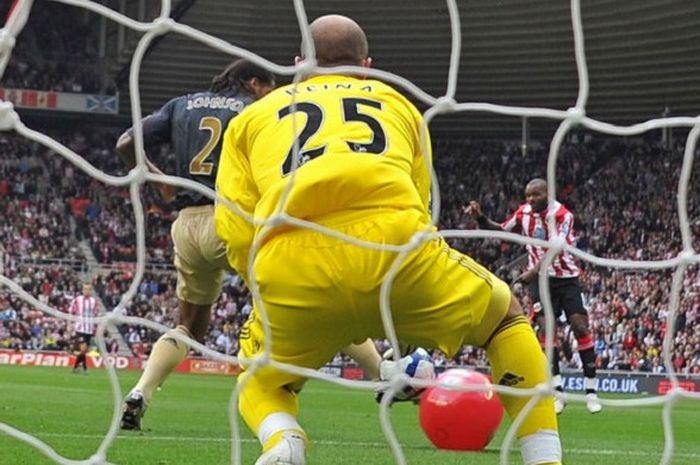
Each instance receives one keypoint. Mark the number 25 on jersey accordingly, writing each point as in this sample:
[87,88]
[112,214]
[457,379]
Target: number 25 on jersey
[352,112]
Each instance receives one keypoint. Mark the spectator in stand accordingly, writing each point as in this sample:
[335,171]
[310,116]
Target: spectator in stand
[113,346]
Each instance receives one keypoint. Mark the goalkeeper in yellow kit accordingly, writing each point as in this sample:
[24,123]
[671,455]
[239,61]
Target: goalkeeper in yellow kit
[359,171]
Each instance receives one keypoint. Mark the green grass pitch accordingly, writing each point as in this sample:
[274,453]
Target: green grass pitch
[187,424]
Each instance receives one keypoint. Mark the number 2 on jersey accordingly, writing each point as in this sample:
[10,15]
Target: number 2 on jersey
[314,120]
[199,165]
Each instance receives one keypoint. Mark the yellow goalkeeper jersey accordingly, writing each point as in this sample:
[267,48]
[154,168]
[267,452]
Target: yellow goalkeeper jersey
[358,150]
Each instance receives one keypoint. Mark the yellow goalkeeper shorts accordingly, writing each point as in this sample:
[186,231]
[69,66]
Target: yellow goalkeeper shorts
[321,294]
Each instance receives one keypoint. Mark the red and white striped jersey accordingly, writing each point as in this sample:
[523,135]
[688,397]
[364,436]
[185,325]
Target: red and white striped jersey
[85,308]
[532,224]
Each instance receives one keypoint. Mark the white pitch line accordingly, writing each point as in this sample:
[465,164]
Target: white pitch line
[146,437]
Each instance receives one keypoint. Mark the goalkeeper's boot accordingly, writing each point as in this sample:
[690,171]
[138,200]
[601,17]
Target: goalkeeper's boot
[418,364]
[134,409]
[290,450]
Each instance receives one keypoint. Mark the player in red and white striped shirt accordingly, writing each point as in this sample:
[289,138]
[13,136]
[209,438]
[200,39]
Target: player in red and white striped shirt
[85,307]
[531,219]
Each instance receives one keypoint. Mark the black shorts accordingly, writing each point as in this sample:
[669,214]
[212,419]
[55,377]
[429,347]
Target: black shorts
[566,296]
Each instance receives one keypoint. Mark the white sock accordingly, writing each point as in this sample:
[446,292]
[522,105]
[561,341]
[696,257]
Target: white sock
[590,383]
[274,423]
[556,381]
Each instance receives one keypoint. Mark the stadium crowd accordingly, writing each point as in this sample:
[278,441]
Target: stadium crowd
[40,189]
[52,52]
[622,193]
[48,206]
[24,327]
[34,209]
[623,196]
[156,301]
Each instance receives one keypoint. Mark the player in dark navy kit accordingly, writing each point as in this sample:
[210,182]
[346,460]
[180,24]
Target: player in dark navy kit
[193,125]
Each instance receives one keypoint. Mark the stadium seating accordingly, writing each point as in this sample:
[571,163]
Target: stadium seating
[623,195]
[57,53]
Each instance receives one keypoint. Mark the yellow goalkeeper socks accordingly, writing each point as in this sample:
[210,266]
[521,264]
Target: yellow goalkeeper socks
[517,361]
[258,402]
[167,353]
[271,413]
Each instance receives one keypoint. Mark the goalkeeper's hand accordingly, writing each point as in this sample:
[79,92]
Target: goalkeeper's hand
[418,364]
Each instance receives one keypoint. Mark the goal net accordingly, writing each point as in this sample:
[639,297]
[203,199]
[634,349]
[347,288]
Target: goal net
[437,105]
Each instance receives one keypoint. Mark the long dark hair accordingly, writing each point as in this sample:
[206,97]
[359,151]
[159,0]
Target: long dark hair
[237,74]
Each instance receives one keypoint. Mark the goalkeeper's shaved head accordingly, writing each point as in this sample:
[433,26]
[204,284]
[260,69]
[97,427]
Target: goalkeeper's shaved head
[339,41]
